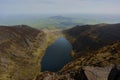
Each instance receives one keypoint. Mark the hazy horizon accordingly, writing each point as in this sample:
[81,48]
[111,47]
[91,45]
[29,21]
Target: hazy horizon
[28,7]
[38,13]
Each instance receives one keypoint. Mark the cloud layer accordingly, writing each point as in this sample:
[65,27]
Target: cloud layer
[59,6]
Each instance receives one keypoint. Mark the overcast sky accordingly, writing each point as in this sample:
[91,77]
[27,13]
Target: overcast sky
[59,6]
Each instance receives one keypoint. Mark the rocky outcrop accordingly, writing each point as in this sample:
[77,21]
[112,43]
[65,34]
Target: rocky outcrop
[97,73]
[21,48]
[53,76]
[85,73]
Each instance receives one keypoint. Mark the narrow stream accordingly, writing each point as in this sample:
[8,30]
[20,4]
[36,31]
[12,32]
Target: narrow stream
[56,55]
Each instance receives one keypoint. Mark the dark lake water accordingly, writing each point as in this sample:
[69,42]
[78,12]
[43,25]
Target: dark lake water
[56,55]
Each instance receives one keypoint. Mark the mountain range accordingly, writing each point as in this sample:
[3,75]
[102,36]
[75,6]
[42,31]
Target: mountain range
[95,47]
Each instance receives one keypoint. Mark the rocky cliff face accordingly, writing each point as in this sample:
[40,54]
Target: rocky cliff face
[21,48]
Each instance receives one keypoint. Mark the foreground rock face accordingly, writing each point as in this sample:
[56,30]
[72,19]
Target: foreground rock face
[21,48]
[102,73]
[87,73]
[97,73]
[53,76]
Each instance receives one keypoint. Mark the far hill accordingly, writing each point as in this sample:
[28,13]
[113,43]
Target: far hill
[60,18]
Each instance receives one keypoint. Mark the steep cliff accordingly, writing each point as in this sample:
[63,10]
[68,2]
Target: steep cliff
[21,48]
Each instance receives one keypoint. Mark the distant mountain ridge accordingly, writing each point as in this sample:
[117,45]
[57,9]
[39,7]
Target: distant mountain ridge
[60,18]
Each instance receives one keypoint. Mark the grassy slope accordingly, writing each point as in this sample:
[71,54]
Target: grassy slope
[92,37]
[19,54]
